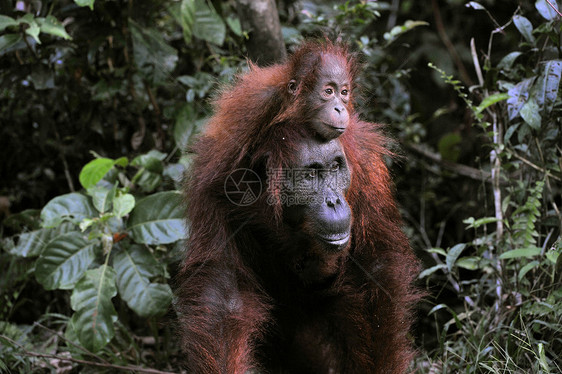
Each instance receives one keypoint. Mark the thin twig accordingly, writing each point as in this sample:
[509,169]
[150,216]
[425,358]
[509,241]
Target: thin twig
[450,47]
[460,169]
[553,7]
[536,167]
[26,352]
[71,342]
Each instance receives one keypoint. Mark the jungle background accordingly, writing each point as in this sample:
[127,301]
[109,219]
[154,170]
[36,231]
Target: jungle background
[99,100]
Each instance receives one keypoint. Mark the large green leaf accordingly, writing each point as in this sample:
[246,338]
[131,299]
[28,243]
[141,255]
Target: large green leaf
[546,87]
[530,114]
[134,267]
[102,197]
[72,206]
[154,58]
[518,96]
[95,314]
[208,24]
[50,25]
[94,171]
[6,21]
[32,243]
[187,19]
[9,40]
[545,9]
[528,252]
[64,260]
[525,27]
[453,254]
[122,205]
[158,219]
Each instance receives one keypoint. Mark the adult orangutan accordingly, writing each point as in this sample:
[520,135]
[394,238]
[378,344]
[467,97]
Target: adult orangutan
[296,262]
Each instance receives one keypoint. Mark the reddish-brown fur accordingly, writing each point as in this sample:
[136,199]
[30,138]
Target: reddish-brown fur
[236,292]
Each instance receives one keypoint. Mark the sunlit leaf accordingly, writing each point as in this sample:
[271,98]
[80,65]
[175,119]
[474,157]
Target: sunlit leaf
[50,25]
[94,171]
[122,205]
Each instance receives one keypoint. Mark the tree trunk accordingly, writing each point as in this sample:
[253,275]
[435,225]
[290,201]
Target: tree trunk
[261,19]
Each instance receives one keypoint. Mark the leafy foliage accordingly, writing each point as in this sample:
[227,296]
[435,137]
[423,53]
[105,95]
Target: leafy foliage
[131,82]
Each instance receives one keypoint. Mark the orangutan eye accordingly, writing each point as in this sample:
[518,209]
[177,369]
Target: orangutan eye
[345,92]
[335,166]
[329,91]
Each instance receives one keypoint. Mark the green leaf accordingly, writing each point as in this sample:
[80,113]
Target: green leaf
[94,171]
[184,126]
[50,25]
[151,161]
[530,113]
[546,10]
[491,100]
[469,263]
[508,60]
[396,31]
[431,270]
[525,269]
[73,206]
[6,21]
[187,19]
[154,58]
[134,267]
[102,197]
[525,27]
[88,3]
[64,260]
[158,219]
[453,254]
[95,314]
[208,24]
[528,252]
[234,24]
[122,205]
[33,29]
[9,40]
[32,243]
[518,96]
[482,221]
[546,87]
[440,251]
[449,146]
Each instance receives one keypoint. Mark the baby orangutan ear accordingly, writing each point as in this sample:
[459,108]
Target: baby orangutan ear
[292,86]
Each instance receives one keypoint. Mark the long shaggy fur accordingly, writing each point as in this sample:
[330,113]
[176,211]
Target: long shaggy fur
[230,320]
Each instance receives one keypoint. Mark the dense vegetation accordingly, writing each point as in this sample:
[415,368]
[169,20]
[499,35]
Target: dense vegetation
[98,99]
